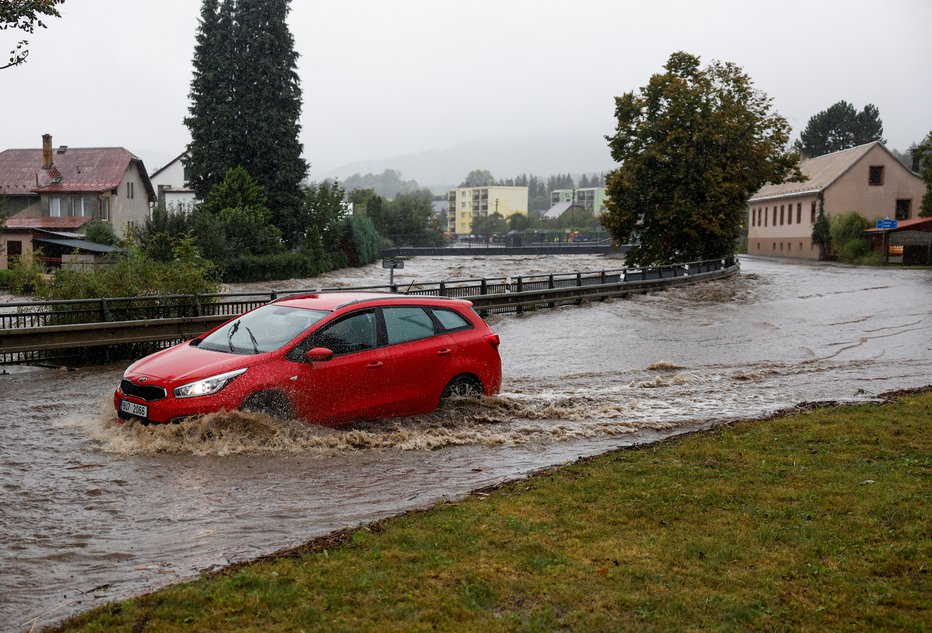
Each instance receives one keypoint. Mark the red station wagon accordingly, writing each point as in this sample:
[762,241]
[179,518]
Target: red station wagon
[329,358]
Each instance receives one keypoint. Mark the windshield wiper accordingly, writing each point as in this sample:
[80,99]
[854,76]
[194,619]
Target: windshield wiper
[255,345]
[231,333]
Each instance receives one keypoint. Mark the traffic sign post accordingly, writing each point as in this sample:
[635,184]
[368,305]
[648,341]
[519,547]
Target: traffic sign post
[886,224]
[392,264]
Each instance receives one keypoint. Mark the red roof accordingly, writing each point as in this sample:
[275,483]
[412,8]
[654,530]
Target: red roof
[902,225]
[29,223]
[77,169]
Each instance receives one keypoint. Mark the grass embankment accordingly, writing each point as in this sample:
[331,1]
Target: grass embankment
[819,520]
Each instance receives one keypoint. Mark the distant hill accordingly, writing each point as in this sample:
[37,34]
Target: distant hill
[442,169]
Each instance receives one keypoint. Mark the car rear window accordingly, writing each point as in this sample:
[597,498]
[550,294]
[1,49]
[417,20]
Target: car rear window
[451,320]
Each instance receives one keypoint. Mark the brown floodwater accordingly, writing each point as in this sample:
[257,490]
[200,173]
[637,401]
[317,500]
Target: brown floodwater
[91,510]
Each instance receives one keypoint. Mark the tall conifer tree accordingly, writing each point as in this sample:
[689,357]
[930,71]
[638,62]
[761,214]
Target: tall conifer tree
[246,104]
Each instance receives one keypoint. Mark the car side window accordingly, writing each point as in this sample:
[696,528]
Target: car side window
[355,333]
[451,320]
[404,324]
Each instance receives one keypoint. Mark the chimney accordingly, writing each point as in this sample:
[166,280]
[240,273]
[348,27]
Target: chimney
[46,151]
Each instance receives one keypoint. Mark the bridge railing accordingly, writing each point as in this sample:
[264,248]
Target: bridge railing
[45,330]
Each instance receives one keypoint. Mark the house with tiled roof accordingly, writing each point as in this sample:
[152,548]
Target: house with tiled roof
[64,188]
[867,179]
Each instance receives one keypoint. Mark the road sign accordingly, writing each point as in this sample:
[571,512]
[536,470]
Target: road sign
[886,224]
[394,264]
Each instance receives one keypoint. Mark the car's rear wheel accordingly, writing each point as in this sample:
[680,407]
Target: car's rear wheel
[271,403]
[463,386]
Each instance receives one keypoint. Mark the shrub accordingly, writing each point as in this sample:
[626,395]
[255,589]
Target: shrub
[100,233]
[848,238]
[28,275]
[6,277]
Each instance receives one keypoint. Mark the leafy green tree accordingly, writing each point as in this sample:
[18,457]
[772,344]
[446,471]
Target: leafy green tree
[518,222]
[479,178]
[357,240]
[924,151]
[409,220]
[840,127]
[848,241]
[25,16]
[99,233]
[492,224]
[323,205]
[693,144]
[237,189]
[246,105]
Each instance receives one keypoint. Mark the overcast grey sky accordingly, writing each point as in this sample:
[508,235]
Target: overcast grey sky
[383,79]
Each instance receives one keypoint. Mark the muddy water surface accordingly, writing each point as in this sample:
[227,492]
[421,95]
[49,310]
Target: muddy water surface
[91,510]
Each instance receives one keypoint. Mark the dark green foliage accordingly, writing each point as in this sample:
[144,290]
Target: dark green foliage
[693,145]
[409,220]
[323,205]
[99,233]
[242,268]
[840,127]
[479,178]
[848,241]
[245,105]
[237,189]
[355,238]
[492,224]
[821,230]
[925,170]
[129,274]
[27,274]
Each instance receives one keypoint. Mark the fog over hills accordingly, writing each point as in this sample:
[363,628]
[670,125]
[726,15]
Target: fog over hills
[441,169]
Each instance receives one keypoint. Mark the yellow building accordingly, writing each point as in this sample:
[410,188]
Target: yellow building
[467,203]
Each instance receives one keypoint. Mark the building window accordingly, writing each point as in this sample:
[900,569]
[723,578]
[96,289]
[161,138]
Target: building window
[774,215]
[812,213]
[781,215]
[86,210]
[55,207]
[800,246]
[105,209]
[129,190]
[903,208]
[766,211]
[799,213]
[875,177]
[789,246]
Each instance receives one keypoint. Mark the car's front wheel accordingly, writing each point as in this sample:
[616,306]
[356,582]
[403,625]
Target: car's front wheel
[271,403]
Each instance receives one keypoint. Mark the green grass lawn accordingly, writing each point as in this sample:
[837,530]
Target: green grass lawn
[815,521]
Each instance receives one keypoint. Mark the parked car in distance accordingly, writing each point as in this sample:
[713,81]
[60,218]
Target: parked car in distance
[329,358]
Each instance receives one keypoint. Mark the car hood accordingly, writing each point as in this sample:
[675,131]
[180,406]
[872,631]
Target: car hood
[185,363]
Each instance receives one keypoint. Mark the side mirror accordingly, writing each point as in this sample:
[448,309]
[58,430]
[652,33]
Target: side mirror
[318,354]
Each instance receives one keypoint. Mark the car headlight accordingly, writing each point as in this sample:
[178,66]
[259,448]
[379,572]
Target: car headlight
[207,386]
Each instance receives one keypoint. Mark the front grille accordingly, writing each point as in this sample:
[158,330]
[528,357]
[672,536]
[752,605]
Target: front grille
[146,392]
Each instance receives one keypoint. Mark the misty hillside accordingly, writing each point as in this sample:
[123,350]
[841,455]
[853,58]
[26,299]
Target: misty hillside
[441,169]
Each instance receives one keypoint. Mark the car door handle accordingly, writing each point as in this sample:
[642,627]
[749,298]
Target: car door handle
[444,351]
[375,365]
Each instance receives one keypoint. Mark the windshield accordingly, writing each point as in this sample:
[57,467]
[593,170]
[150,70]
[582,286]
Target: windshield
[263,330]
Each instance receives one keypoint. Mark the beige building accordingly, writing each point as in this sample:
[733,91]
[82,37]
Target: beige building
[867,179]
[467,203]
[108,183]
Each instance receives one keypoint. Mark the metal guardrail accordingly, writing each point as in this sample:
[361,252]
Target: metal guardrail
[47,330]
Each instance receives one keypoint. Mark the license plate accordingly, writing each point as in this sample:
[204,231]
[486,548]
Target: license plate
[139,410]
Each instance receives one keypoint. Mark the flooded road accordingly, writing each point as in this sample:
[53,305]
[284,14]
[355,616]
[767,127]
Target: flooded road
[93,511]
